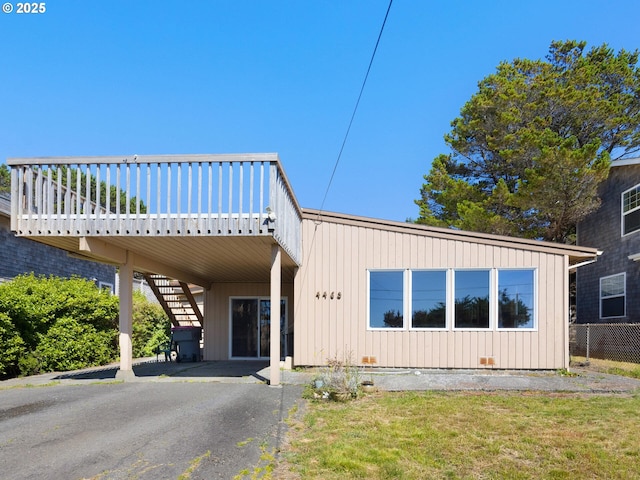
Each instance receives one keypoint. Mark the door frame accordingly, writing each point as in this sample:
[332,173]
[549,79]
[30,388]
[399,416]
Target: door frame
[283,330]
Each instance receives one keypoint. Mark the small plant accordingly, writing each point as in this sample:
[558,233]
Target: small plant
[338,381]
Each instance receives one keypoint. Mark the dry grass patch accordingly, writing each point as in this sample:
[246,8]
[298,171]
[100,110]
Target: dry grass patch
[460,435]
[625,369]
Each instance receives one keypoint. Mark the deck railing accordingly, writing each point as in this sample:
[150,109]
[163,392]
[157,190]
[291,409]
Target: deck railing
[191,195]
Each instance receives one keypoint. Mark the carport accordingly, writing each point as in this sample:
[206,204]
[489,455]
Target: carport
[204,220]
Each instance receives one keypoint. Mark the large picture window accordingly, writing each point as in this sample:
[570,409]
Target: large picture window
[386,299]
[515,299]
[612,296]
[471,298]
[479,299]
[429,299]
[631,210]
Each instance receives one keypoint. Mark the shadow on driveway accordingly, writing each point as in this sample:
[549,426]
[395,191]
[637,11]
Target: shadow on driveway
[229,371]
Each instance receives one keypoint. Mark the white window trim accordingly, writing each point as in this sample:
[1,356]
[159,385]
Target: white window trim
[450,300]
[622,218]
[447,320]
[623,295]
[535,300]
[106,285]
[492,311]
[405,299]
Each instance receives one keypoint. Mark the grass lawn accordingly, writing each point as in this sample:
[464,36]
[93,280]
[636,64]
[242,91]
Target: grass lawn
[467,435]
[609,366]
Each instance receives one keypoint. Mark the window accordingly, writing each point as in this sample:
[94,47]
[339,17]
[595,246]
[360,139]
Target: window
[386,299]
[496,299]
[631,210]
[471,298]
[612,293]
[515,299]
[429,299]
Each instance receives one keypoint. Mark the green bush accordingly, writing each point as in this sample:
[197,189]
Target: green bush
[151,326]
[35,303]
[12,348]
[71,344]
[57,324]
[35,310]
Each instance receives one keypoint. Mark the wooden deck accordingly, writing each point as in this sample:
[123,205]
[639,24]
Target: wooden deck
[197,218]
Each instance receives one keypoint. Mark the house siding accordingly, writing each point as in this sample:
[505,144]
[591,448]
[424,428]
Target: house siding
[602,229]
[337,259]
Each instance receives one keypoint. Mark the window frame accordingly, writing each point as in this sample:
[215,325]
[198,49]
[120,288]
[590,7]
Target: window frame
[452,298]
[534,300]
[447,315]
[450,324]
[624,214]
[623,295]
[404,299]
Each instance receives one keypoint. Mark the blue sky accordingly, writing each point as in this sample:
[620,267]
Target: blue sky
[156,77]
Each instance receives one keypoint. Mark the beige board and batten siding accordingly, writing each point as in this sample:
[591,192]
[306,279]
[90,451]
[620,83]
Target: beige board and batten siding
[331,294]
[217,315]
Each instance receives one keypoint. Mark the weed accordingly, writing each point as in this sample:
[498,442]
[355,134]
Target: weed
[195,463]
[338,381]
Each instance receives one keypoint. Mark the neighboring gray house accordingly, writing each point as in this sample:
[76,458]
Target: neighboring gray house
[608,291]
[21,255]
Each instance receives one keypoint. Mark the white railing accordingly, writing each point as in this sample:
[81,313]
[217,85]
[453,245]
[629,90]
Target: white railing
[190,195]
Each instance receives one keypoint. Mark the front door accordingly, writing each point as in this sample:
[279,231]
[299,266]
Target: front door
[251,327]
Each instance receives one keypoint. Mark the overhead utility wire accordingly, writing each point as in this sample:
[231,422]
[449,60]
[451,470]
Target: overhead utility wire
[364,82]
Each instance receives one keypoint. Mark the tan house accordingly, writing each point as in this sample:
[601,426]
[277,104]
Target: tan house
[398,294]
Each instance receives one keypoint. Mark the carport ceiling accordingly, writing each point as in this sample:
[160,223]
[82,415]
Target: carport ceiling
[217,259]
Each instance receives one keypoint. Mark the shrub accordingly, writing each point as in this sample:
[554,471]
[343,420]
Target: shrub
[38,307]
[70,344]
[151,326]
[12,347]
[35,303]
[339,380]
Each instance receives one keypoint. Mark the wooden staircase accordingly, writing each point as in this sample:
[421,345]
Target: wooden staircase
[176,299]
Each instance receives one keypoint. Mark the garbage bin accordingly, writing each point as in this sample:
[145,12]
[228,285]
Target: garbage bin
[185,342]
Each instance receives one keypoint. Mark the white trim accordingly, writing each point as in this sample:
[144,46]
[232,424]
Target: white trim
[623,213]
[491,325]
[493,286]
[534,328]
[635,257]
[105,285]
[404,300]
[623,295]
[410,273]
[621,162]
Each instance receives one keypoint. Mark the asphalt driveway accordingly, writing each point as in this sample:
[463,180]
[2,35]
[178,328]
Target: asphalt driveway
[208,419]
[141,430]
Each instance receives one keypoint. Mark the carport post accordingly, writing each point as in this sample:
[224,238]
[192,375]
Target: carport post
[274,341]
[125,293]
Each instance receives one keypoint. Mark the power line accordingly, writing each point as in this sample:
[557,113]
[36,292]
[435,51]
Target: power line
[364,82]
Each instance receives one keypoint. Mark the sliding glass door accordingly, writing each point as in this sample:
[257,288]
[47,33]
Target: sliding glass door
[251,327]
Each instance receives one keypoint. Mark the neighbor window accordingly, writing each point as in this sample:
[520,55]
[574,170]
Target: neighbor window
[428,299]
[386,299]
[631,210]
[612,296]
[471,298]
[515,299]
